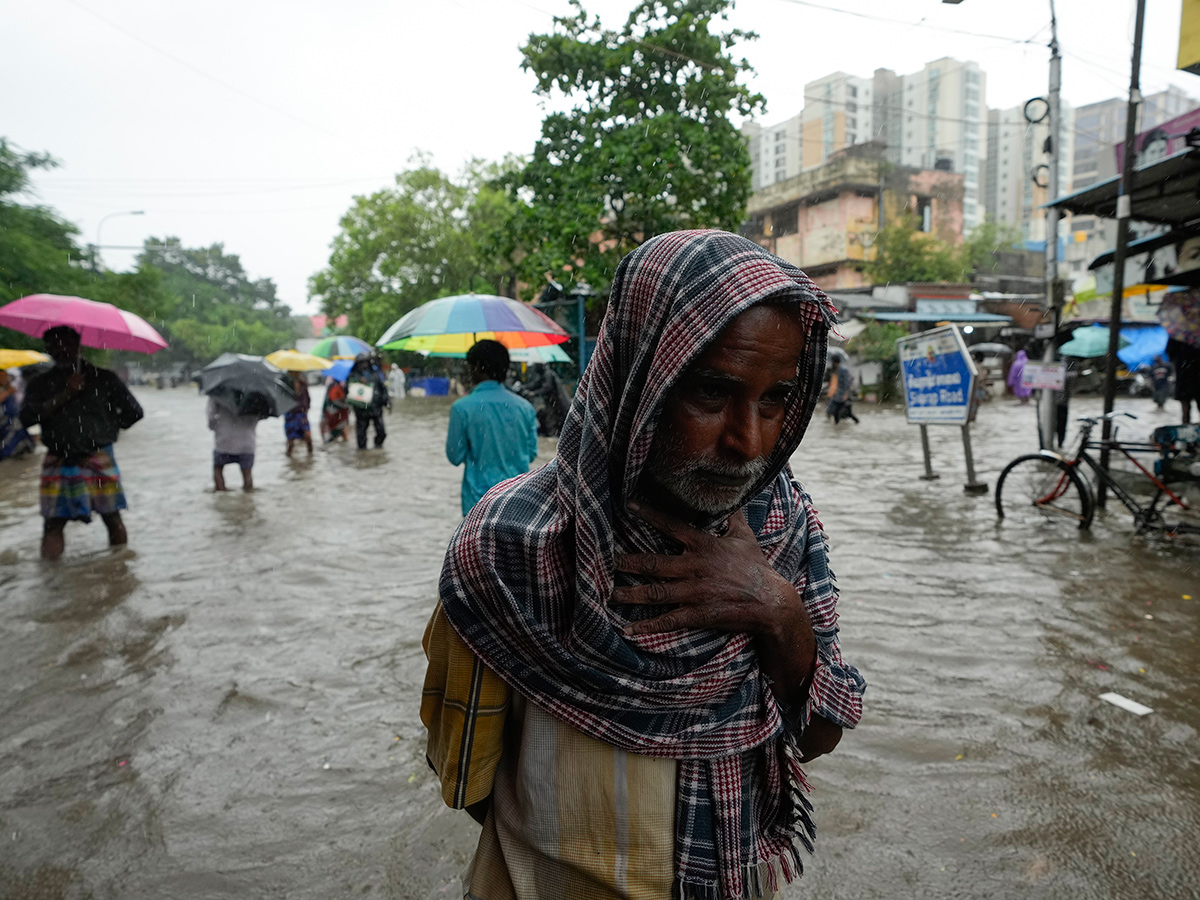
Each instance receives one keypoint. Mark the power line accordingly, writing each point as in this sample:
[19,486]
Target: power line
[203,74]
[155,193]
[921,23]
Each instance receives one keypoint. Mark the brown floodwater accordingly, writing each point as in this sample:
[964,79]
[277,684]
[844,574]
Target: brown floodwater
[228,707]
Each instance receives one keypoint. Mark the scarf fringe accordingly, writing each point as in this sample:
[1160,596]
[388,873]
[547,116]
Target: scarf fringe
[758,879]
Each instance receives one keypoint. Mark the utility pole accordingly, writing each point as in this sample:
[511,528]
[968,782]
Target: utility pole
[1054,298]
[100,224]
[1124,208]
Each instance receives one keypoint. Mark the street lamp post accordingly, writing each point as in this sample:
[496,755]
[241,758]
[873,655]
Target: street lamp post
[100,224]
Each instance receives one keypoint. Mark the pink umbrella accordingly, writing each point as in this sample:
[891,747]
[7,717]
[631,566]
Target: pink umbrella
[100,325]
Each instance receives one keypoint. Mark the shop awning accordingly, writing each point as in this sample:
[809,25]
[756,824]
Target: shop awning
[1164,192]
[957,318]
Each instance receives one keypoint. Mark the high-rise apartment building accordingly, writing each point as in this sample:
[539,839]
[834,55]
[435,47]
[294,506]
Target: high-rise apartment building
[774,152]
[1099,127]
[933,119]
[837,114]
[942,125]
[1016,184]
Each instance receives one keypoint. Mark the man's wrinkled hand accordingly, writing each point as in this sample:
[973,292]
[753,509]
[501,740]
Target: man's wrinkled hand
[721,583]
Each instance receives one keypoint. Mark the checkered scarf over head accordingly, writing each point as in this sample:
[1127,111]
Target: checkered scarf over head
[529,574]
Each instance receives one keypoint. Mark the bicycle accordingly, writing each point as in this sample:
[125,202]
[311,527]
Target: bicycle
[1048,488]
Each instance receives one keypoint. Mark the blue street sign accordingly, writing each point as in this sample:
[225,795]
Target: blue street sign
[938,376]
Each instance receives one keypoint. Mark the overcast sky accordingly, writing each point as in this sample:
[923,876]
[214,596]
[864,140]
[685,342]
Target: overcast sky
[254,122]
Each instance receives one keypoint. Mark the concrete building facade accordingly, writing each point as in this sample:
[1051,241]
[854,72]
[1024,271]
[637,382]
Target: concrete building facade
[1016,182]
[934,119]
[826,219]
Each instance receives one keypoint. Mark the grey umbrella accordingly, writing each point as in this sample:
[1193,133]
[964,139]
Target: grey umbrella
[247,385]
[992,349]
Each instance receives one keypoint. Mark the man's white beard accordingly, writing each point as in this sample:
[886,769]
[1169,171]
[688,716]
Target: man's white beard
[686,481]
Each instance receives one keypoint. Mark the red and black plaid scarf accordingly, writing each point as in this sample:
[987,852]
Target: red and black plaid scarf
[528,576]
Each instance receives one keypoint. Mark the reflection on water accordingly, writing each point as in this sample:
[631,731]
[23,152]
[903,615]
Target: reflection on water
[227,708]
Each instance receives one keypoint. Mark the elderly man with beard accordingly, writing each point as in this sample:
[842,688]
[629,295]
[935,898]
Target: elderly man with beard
[636,647]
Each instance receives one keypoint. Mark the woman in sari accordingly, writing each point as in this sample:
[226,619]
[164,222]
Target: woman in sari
[335,413]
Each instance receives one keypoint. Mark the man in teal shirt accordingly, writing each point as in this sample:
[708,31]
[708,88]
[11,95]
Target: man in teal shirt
[492,430]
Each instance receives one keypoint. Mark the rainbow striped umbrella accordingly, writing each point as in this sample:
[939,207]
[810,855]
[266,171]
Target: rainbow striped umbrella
[341,346]
[454,324]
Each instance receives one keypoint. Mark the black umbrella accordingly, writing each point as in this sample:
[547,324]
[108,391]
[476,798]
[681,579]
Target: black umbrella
[248,385]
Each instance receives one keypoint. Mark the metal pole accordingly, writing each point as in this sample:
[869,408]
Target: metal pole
[100,224]
[929,475]
[1124,207]
[972,486]
[1046,408]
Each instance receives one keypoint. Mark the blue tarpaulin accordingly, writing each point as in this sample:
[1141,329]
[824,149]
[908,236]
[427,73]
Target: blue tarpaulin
[1144,344]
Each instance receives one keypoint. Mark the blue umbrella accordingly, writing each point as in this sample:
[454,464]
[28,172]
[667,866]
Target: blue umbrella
[339,370]
[1144,345]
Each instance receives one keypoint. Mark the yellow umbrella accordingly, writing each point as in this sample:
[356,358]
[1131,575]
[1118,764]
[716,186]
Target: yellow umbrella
[295,361]
[14,359]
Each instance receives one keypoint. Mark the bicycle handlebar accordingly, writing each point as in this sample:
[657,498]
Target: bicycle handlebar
[1092,420]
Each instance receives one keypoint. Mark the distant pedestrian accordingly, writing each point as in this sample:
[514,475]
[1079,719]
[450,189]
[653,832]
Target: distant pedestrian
[14,438]
[554,401]
[367,393]
[295,422]
[335,413]
[841,385]
[234,441]
[1186,360]
[492,430]
[1020,391]
[1160,377]
[81,409]
[397,383]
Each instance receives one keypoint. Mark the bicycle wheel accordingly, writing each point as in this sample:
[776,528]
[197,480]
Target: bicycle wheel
[1040,493]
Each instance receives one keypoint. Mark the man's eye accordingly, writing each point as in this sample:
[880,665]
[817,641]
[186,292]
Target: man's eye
[777,398]
[709,390]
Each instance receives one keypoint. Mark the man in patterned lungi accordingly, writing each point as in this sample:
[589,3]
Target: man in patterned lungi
[636,646]
[81,409]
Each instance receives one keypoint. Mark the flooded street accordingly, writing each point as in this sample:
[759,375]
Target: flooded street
[228,708]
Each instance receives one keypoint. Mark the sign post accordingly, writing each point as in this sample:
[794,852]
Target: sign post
[938,377]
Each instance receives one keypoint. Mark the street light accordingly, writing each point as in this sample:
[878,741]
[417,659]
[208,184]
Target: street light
[100,224]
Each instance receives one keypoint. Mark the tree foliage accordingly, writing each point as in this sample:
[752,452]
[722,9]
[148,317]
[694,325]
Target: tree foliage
[904,253]
[209,304]
[992,237]
[427,237]
[647,145]
[38,253]
[201,299]
[877,343]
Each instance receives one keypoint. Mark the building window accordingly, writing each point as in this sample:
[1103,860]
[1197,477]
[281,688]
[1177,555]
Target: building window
[850,138]
[780,135]
[779,148]
[779,176]
[779,162]
[852,91]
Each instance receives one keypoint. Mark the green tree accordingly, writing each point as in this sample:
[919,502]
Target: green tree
[209,304]
[38,253]
[427,237]
[877,343]
[647,145]
[903,253]
[980,249]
